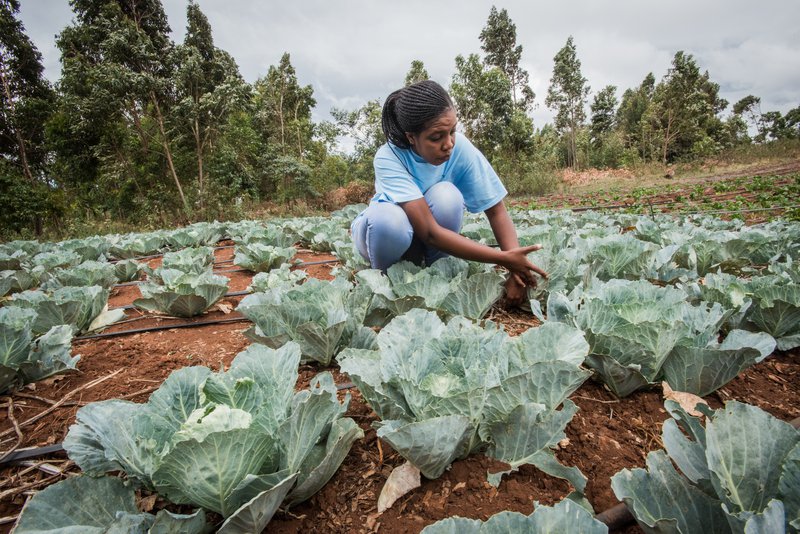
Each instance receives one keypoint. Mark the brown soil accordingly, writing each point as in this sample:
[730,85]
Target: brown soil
[606,435]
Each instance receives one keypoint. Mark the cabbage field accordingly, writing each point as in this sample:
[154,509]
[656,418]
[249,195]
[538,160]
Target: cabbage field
[253,376]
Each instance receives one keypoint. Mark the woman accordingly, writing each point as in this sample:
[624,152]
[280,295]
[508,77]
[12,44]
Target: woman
[424,176]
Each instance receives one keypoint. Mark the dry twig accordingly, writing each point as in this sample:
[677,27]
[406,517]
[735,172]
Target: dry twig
[137,393]
[64,399]
[16,429]
[47,401]
[595,400]
[32,485]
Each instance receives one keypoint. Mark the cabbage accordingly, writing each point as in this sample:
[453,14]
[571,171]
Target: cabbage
[443,391]
[450,285]
[237,443]
[182,294]
[737,474]
[261,258]
[84,308]
[322,317]
[25,358]
[566,516]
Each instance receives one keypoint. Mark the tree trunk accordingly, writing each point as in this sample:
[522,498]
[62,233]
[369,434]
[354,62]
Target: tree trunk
[666,138]
[299,137]
[168,153]
[23,155]
[198,143]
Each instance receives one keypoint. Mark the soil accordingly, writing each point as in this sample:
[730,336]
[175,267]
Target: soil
[607,434]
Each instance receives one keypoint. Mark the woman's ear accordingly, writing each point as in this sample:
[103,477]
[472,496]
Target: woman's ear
[411,140]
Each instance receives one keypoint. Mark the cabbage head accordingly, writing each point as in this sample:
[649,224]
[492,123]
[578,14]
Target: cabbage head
[26,358]
[444,391]
[182,294]
[738,473]
[238,443]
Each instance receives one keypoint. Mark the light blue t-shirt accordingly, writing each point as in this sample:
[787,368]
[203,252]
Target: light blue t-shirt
[401,175]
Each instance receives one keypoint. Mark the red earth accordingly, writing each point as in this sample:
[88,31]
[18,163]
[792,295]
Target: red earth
[606,435]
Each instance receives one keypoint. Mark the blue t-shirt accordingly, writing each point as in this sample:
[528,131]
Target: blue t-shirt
[401,175]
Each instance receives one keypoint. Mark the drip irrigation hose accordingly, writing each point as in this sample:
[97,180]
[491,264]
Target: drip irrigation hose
[161,327]
[618,516]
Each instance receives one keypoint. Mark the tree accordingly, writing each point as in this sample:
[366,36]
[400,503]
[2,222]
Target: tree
[416,73]
[117,87]
[683,112]
[483,97]
[283,117]
[363,126]
[603,113]
[26,101]
[567,96]
[632,108]
[209,89]
[499,42]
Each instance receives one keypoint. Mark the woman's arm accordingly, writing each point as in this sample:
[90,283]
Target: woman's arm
[425,227]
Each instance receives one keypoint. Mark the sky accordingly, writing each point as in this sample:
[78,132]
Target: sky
[352,51]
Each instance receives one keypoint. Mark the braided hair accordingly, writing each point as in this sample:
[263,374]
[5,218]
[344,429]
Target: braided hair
[411,109]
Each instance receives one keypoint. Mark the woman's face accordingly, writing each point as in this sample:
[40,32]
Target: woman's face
[435,143]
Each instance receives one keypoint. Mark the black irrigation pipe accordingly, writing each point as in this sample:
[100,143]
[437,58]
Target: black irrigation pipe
[161,327]
[618,516]
[32,452]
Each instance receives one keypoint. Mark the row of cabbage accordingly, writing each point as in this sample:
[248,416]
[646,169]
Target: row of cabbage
[674,338]
[68,283]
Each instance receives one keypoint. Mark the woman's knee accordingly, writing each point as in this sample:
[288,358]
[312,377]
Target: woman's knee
[382,234]
[388,221]
[446,204]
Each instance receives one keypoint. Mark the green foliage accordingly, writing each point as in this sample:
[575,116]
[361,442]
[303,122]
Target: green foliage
[499,42]
[567,96]
[363,125]
[26,101]
[683,112]
[482,96]
[416,73]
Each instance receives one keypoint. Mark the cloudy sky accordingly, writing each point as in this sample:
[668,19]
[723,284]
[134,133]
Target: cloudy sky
[352,51]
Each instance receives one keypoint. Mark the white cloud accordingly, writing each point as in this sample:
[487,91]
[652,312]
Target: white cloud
[355,50]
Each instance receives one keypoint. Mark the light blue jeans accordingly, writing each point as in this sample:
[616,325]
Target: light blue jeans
[383,234]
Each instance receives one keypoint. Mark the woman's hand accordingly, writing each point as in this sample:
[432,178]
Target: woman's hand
[516,260]
[516,290]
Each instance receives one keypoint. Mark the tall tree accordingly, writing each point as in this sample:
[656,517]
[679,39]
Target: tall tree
[283,116]
[567,96]
[604,107]
[499,43]
[117,83]
[483,97]
[209,89]
[684,109]
[363,126]
[632,109]
[416,73]
[26,99]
